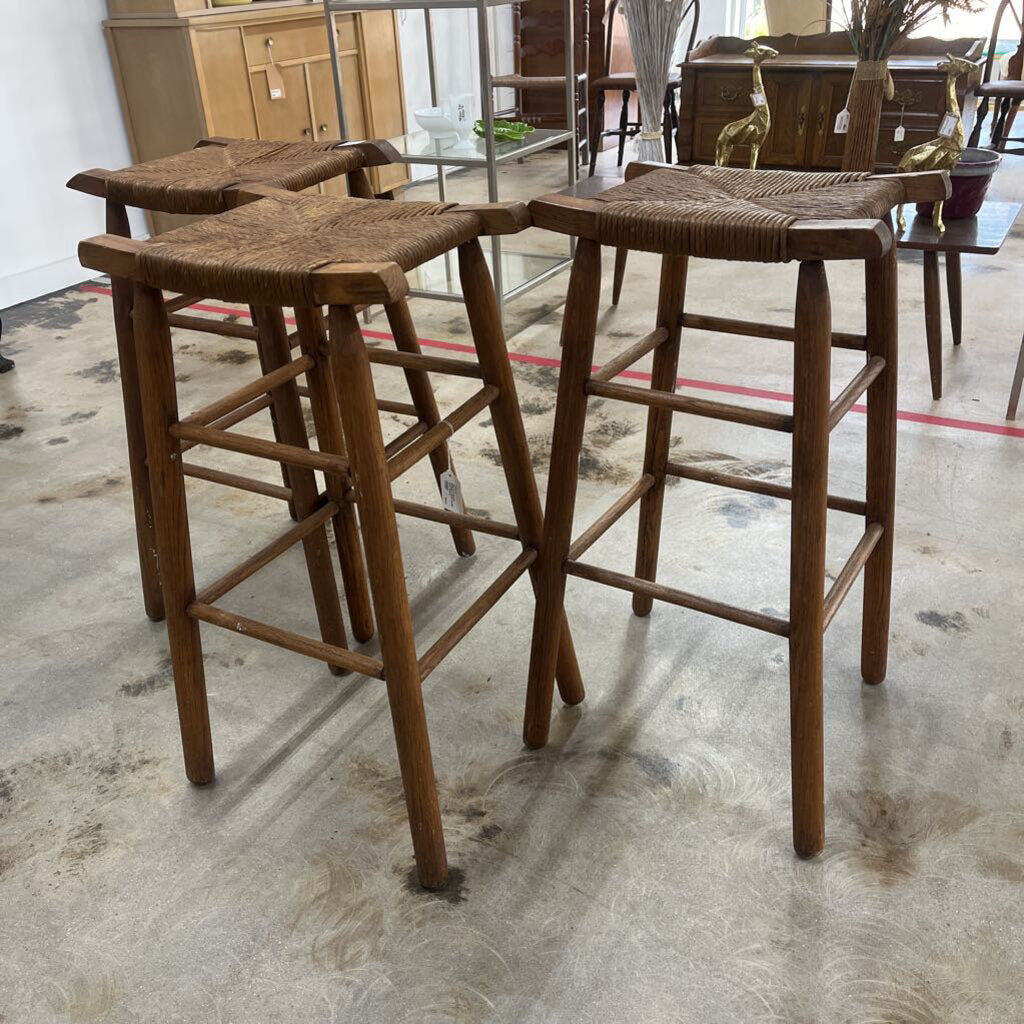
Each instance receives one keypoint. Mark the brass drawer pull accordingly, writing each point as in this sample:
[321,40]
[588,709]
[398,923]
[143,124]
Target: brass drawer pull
[821,121]
[323,129]
[906,98]
[729,94]
[801,120]
[307,131]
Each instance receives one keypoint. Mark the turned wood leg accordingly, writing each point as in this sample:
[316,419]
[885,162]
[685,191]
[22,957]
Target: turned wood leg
[579,327]
[933,321]
[313,338]
[159,406]
[621,254]
[598,131]
[149,569]
[979,120]
[1018,380]
[666,125]
[422,393]
[354,386]
[270,323]
[882,335]
[623,126]
[664,368]
[954,292]
[489,338]
[811,357]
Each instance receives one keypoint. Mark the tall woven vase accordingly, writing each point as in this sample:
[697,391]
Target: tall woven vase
[871,83]
[652,26]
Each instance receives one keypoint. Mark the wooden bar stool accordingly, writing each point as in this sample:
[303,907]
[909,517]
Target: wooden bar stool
[282,249]
[732,214]
[205,181]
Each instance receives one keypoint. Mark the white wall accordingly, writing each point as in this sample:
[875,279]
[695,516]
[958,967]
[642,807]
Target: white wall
[59,114]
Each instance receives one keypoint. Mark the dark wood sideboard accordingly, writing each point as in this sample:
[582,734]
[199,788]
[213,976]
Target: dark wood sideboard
[806,86]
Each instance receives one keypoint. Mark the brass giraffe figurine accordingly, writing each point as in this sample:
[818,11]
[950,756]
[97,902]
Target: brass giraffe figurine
[940,154]
[752,129]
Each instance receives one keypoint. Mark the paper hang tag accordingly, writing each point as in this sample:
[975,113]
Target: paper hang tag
[842,122]
[897,136]
[948,125]
[275,82]
[757,98]
[451,493]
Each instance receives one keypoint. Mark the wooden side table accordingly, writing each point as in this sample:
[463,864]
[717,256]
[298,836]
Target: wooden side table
[983,234]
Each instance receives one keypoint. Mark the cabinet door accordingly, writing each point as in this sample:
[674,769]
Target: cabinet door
[826,146]
[287,119]
[325,108]
[789,100]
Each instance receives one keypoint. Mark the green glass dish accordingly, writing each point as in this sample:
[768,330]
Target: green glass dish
[505,131]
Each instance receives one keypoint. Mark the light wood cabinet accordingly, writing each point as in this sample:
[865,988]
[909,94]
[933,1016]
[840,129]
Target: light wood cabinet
[185,71]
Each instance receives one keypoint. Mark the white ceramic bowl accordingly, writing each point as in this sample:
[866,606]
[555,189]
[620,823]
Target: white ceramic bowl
[436,122]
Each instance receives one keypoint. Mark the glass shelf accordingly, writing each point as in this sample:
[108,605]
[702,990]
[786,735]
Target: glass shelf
[419,148]
[358,6]
[520,271]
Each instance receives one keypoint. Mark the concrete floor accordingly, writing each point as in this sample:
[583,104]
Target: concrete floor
[640,867]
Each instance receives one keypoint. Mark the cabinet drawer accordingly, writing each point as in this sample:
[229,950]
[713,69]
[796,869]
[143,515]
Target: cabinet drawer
[916,96]
[725,91]
[306,38]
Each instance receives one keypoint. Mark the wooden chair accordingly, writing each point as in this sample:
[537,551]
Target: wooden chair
[205,181]
[279,249]
[625,82]
[1006,93]
[735,214]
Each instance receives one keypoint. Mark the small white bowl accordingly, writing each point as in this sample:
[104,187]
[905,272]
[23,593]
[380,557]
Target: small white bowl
[437,123]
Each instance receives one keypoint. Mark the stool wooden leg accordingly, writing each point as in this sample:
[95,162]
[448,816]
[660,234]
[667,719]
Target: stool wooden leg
[422,394]
[489,337]
[811,358]
[354,387]
[619,273]
[623,126]
[664,367]
[597,132]
[1015,386]
[933,321]
[266,365]
[882,320]
[579,327]
[149,570]
[277,353]
[954,292]
[159,406]
[313,338]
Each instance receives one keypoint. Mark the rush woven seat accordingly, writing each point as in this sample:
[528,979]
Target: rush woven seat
[270,247]
[193,182]
[732,213]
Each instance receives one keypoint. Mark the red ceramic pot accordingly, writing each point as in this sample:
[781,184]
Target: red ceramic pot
[970,179]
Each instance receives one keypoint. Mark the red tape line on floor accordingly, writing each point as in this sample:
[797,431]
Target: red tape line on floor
[683,382]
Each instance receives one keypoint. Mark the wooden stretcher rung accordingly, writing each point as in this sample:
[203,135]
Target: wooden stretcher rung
[406,437]
[849,572]
[240,573]
[441,432]
[694,406]
[398,408]
[478,524]
[448,640]
[429,364]
[836,502]
[627,358]
[242,483]
[612,515]
[206,325]
[176,302]
[261,386]
[351,661]
[846,398]
[260,448]
[237,416]
[758,620]
[776,332]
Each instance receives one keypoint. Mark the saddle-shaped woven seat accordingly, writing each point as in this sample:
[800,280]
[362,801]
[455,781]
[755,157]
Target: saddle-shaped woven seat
[731,213]
[270,247]
[193,182]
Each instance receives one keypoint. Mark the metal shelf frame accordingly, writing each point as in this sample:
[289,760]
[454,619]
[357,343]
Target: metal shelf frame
[491,158]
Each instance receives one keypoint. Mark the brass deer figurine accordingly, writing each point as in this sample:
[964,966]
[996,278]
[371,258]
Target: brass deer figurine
[752,129]
[940,154]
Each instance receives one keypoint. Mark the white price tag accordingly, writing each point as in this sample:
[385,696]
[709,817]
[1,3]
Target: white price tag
[451,493]
[897,136]
[277,94]
[757,98]
[275,82]
[842,122]
[948,125]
